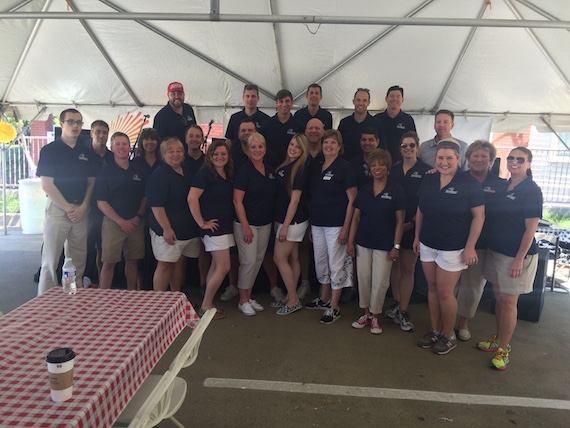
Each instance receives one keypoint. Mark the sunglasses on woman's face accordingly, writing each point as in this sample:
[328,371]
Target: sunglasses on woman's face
[405,146]
[520,160]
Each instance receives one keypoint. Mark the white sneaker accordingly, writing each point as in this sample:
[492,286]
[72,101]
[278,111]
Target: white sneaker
[277,294]
[256,306]
[303,290]
[229,293]
[246,309]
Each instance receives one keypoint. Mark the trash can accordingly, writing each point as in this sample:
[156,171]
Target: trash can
[32,206]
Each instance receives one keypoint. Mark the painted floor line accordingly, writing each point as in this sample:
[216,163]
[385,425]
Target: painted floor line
[398,394]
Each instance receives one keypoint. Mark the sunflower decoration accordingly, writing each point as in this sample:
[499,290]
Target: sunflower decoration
[7,133]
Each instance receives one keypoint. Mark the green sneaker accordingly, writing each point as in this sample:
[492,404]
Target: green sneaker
[491,345]
[501,359]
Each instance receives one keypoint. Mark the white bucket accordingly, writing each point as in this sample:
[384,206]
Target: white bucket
[32,206]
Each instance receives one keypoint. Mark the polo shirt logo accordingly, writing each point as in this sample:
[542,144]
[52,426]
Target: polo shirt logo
[511,196]
[136,178]
[451,191]
[386,195]
[416,174]
[365,169]
[488,189]
[400,126]
[271,176]
[328,176]
[290,131]
[257,125]
[281,173]
[83,157]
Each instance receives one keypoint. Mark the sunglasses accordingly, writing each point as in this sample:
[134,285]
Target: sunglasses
[410,145]
[520,160]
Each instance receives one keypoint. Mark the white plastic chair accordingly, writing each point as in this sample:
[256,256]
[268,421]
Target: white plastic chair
[160,397]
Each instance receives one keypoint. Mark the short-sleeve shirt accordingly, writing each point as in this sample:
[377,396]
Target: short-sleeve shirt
[323,115]
[328,193]
[377,224]
[194,165]
[107,158]
[282,198]
[360,168]
[259,193]
[394,129]
[167,189]
[508,215]
[278,135]
[447,212]
[141,162]
[69,167]
[428,152]
[168,123]
[216,202]
[239,158]
[410,182]
[235,120]
[351,132]
[123,189]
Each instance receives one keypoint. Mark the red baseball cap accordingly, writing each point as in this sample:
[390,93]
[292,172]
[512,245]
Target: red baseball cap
[175,87]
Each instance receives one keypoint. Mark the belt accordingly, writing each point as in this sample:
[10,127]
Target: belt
[76,201]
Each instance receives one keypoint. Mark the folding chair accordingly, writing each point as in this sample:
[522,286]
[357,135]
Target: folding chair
[160,397]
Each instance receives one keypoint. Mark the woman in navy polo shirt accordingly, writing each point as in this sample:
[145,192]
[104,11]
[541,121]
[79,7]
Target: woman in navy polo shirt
[449,219]
[513,254]
[377,227]
[408,173]
[333,189]
[480,157]
[211,203]
[254,197]
[291,219]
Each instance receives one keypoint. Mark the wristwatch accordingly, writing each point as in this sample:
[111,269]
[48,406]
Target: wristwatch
[397,246]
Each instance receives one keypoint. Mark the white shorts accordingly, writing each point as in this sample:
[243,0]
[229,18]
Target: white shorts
[217,243]
[164,252]
[296,231]
[451,261]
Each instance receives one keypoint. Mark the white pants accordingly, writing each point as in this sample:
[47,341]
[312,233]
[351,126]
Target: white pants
[332,265]
[250,255]
[373,270]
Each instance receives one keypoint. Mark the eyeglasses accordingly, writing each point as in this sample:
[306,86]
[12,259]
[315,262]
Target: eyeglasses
[72,122]
[520,160]
[410,145]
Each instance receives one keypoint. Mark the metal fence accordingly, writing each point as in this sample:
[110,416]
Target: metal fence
[22,159]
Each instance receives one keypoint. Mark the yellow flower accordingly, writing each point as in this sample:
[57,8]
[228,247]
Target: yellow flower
[7,132]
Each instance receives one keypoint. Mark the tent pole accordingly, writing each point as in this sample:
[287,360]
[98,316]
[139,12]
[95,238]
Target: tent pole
[554,132]
[277,38]
[540,11]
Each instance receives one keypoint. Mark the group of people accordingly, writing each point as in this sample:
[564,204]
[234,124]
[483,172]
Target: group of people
[367,197]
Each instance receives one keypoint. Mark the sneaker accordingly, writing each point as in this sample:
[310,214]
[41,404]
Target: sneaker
[501,359]
[87,282]
[276,304]
[361,322]
[303,290]
[491,345]
[403,319]
[286,310]
[392,310]
[445,344]
[375,326]
[429,339]
[277,294]
[229,293]
[330,316]
[318,304]
[256,306]
[246,309]
[464,334]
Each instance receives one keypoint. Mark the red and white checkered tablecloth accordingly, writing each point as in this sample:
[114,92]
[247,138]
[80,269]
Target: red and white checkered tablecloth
[118,337]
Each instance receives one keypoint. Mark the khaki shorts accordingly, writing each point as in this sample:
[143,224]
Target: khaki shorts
[164,252]
[497,272]
[114,242]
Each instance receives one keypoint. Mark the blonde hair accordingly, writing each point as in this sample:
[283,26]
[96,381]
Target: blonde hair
[303,142]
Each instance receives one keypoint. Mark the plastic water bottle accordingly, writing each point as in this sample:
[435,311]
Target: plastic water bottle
[68,277]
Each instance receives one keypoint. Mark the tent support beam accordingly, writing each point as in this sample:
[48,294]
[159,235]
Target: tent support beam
[277,38]
[538,10]
[18,6]
[188,49]
[547,123]
[110,62]
[364,48]
[458,61]
[540,46]
[24,52]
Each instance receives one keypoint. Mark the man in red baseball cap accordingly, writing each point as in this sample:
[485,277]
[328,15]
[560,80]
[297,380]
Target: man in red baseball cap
[174,119]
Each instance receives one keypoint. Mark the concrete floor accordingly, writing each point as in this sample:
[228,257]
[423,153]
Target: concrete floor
[372,380]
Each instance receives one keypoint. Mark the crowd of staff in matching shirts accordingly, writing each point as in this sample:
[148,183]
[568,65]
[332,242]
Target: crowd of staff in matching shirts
[363,195]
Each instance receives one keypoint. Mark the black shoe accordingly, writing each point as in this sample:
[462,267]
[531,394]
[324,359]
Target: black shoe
[417,298]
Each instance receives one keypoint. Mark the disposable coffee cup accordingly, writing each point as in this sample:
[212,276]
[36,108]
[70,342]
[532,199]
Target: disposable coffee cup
[60,371]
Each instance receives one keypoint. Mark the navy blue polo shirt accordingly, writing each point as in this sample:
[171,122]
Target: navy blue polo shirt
[217,201]
[168,123]
[360,168]
[239,158]
[141,162]
[282,198]
[278,135]
[69,168]
[377,224]
[259,196]
[123,189]
[235,120]
[447,212]
[394,129]
[328,193]
[351,132]
[167,189]
[194,165]
[410,182]
[508,214]
[323,115]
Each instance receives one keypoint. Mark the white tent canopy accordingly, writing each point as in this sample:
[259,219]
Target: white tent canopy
[501,59]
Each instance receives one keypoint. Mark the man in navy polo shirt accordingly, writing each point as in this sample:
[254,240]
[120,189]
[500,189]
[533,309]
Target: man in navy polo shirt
[313,109]
[443,125]
[250,111]
[239,150]
[67,171]
[351,126]
[394,121]
[174,119]
[119,191]
[368,142]
[279,129]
